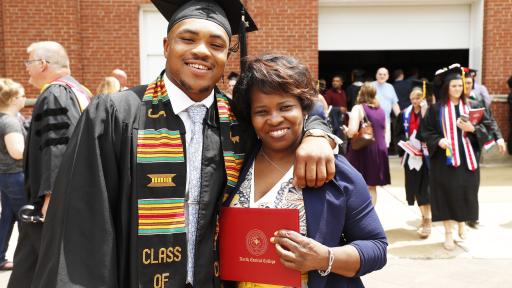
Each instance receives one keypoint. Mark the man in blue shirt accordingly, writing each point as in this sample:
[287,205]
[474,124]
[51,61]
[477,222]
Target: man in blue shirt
[387,98]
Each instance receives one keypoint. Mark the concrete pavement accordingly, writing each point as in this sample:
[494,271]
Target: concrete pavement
[484,259]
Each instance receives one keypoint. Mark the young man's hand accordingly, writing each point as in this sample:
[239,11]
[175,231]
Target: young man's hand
[314,162]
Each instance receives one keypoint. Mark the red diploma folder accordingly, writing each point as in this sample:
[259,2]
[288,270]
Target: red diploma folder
[246,254]
[476,115]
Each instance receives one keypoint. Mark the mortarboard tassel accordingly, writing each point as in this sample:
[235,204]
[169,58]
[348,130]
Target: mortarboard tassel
[424,89]
[449,156]
[464,81]
[242,41]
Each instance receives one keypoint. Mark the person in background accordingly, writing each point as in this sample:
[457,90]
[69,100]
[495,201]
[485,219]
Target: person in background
[407,130]
[371,161]
[109,85]
[509,143]
[232,78]
[12,145]
[402,88]
[322,86]
[353,89]
[481,89]
[54,117]
[122,77]
[320,106]
[388,100]
[454,146]
[476,100]
[277,91]
[336,98]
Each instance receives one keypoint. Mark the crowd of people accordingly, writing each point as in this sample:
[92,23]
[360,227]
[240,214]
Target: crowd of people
[439,145]
[98,183]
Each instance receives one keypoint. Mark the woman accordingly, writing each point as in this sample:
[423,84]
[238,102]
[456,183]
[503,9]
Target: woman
[276,93]
[371,161]
[109,85]
[454,147]
[407,126]
[12,144]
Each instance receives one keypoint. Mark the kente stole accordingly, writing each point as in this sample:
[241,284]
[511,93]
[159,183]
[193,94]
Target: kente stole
[161,182]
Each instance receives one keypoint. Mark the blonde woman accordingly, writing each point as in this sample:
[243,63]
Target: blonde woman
[109,85]
[371,161]
[12,144]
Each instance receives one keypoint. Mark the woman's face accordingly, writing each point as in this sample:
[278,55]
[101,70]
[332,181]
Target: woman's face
[19,101]
[455,88]
[416,101]
[277,120]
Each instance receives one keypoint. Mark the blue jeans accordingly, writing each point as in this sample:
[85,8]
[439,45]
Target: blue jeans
[13,198]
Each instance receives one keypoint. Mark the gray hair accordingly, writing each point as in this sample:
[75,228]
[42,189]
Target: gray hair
[51,51]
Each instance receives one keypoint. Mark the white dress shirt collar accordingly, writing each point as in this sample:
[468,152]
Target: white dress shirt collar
[179,100]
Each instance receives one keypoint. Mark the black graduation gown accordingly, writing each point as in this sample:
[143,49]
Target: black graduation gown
[416,182]
[54,117]
[89,239]
[454,191]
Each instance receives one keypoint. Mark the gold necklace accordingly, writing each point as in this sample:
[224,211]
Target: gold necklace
[272,162]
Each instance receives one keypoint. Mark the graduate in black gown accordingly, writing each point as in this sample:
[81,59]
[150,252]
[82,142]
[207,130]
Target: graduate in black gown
[121,212]
[54,117]
[415,158]
[454,146]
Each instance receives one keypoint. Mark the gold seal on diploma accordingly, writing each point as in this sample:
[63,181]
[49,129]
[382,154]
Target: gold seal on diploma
[256,242]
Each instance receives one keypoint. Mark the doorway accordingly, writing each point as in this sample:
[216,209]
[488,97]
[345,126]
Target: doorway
[425,62]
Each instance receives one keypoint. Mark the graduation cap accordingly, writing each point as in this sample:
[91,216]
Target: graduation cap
[229,14]
[454,71]
[424,85]
[470,71]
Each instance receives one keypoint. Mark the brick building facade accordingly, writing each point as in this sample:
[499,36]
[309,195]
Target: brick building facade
[104,34]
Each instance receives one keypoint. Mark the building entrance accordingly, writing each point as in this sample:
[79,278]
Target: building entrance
[425,62]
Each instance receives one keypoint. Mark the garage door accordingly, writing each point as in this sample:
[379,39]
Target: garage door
[152,28]
[399,27]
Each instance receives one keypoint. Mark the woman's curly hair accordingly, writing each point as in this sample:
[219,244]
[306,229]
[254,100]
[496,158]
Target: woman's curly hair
[274,74]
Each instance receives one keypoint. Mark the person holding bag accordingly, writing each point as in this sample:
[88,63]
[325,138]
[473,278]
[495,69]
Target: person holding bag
[370,160]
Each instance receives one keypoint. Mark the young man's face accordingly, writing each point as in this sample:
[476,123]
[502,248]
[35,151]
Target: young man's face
[196,52]
[337,82]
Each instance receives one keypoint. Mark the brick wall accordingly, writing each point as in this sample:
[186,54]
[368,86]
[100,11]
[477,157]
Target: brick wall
[497,54]
[27,21]
[286,27]
[103,34]
[2,55]
[110,39]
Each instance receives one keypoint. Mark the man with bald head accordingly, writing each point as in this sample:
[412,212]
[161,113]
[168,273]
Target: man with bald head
[54,117]
[122,77]
[388,100]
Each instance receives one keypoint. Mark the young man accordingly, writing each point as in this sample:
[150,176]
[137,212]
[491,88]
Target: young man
[54,117]
[137,201]
[337,98]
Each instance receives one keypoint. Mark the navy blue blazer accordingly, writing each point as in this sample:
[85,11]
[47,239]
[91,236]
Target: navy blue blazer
[341,213]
